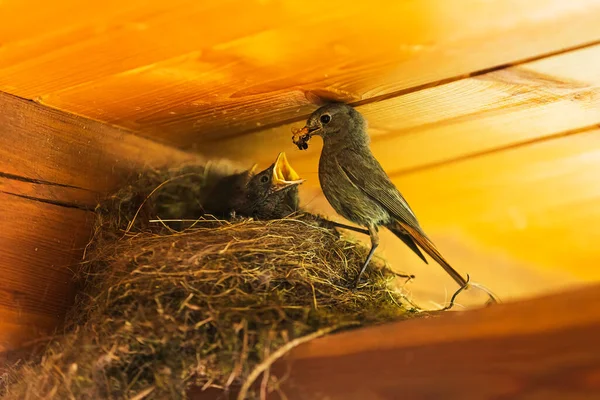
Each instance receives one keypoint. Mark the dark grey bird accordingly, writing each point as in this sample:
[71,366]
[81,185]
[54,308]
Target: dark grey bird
[272,193]
[198,190]
[358,188]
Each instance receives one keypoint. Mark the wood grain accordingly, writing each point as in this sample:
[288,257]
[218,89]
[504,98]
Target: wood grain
[450,122]
[530,202]
[520,351]
[53,167]
[188,71]
[534,349]
[499,163]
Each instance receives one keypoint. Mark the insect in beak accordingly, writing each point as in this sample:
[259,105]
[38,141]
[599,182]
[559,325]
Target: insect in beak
[301,137]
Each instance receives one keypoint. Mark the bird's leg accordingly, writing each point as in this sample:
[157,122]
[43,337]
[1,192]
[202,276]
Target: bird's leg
[344,226]
[374,244]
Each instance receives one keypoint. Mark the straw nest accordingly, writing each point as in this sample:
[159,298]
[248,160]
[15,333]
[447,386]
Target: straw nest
[160,310]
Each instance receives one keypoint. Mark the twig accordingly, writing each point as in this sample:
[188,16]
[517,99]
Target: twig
[263,384]
[267,374]
[493,299]
[244,354]
[259,369]
[130,225]
[449,306]
[143,393]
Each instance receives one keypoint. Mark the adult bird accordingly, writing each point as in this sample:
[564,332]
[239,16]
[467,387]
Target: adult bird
[358,188]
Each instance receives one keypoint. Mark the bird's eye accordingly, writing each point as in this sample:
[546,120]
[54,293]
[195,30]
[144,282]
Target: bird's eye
[264,179]
[325,118]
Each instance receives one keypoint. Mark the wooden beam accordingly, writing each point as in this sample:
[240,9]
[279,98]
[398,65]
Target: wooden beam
[540,347]
[53,168]
[537,348]
[188,71]
[450,122]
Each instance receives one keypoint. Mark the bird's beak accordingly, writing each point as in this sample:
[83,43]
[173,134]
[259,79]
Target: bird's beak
[283,173]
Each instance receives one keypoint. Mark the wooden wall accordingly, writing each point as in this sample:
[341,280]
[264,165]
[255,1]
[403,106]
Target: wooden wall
[485,114]
[53,168]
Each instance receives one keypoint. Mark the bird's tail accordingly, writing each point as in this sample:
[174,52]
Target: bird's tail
[425,243]
[407,239]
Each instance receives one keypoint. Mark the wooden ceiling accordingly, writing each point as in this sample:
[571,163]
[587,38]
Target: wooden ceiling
[484,112]
[188,72]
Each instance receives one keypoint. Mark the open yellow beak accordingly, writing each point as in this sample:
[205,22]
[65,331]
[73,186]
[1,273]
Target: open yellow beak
[283,173]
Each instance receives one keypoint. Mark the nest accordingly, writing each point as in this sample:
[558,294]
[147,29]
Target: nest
[160,309]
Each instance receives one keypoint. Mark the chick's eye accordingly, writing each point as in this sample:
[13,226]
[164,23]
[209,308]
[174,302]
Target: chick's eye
[264,179]
[325,118]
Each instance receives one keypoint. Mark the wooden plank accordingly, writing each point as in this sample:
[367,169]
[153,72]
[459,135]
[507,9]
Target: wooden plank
[53,167]
[172,71]
[37,21]
[43,144]
[456,120]
[530,202]
[21,329]
[534,349]
[40,235]
[539,348]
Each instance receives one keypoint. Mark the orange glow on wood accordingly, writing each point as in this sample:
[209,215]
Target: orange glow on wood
[186,71]
[484,113]
[44,235]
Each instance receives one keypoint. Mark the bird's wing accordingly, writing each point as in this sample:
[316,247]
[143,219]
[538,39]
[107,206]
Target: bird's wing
[368,175]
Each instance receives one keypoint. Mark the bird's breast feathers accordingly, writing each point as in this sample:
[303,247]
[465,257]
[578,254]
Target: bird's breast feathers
[346,198]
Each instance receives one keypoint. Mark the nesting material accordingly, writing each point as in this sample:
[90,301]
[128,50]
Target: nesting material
[160,310]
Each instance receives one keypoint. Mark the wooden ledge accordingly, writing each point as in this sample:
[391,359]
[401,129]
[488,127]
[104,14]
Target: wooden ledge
[542,348]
